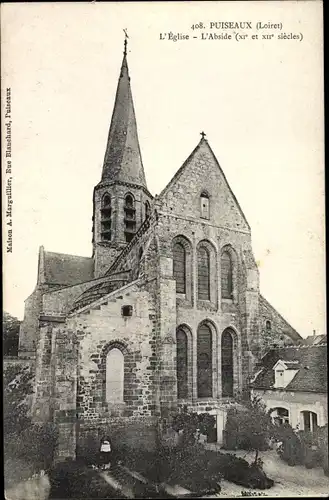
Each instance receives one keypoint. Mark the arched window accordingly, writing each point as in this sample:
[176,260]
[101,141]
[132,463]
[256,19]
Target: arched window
[280,416]
[204,205]
[129,201]
[227,364]
[147,209]
[106,201]
[179,267]
[268,326]
[129,217]
[181,364]
[114,376]
[204,362]
[226,275]
[203,274]
[106,214]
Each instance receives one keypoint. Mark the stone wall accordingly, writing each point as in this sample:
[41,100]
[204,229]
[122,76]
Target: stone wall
[280,333]
[29,328]
[105,254]
[103,326]
[132,432]
[295,403]
[226,229]
[201,173]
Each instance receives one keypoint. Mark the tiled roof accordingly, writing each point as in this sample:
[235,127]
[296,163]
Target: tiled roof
[312,368]
[316,340]
[97,292]
[64,269]
[292,365]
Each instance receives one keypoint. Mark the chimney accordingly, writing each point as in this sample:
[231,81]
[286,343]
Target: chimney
[313,333]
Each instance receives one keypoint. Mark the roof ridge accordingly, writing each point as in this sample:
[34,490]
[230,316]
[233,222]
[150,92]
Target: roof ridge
[176,175]
[280,315]
[67,254]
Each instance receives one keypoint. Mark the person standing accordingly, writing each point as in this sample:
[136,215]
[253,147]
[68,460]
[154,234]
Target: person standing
[105,453]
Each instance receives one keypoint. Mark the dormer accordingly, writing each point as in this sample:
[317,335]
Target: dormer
[284,373]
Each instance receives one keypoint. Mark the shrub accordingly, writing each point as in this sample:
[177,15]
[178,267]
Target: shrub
[195,468]
[72,479]
[249,427]
[190,423]
[311,452]
[291,450]
[321,435]
[24,441]
[10,334]
[305,447]
[191,467]
[17,387]
[238,470]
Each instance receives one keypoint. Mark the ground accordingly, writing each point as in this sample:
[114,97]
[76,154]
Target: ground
[288,481]
[294,481]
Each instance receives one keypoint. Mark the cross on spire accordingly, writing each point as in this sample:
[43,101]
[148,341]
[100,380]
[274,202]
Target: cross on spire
[202,135]
[125,42]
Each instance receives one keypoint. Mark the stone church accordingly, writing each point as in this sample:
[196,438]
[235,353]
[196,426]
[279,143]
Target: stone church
[166,312]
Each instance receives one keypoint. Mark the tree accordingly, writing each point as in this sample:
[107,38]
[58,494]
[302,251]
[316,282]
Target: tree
[10,334]
[16,387]
[24,440]
[253,425]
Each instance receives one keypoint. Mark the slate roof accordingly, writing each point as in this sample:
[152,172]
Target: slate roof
[287,329]
[312,369]
[97,292]
[64,269]
[123,160]
[316,340]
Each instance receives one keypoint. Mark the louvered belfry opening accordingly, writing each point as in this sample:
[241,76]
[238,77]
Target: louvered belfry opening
[226,275]
[204,362]
[147,209]
[129,217]
[106,218]
[227,364]
[203,274]
[182,364]
[179,267]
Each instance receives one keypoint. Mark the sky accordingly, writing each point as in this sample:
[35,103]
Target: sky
[260,102]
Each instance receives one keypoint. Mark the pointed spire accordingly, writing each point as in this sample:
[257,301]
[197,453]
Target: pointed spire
[125,43]
[123,161]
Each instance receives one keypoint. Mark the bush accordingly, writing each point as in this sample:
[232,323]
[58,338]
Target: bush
[304,448]
[36,445]
[238,470]
[24,441]
[322,441]
[197,469]
[249,427]
[72,479]
[10,334]
[17,386]
[190,422]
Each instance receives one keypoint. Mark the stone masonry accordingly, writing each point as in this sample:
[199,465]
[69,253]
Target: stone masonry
[122,301]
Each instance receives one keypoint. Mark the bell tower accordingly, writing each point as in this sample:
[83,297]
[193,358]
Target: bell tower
[121,199]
